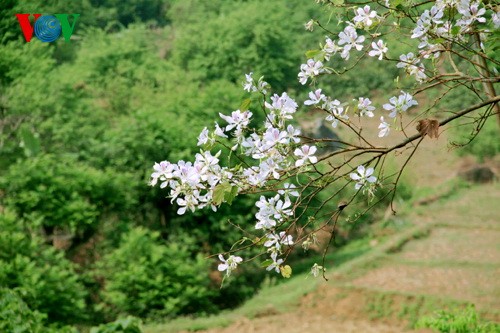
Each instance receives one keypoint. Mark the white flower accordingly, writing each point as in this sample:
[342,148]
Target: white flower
[271,209]
[330,48]
[411,65]
[309,25]
[289,190]
[203,137]
[283,106]
[262,85]
[384,128]
[309,70]
[471,13]
[364,16]
[426,21]
[237,119]
[162,171]
[350,38]
[273,136]
[436,14]
[399,104]
[189,202]
[293,133]
[277,241]
[315,97]
[219,132]
[248,84]
[378,49]
[365,107]
[363,176]
[407,60]
[305,153]
[230,264]
[336,110]
[315,269]
[276,263]
[496,20]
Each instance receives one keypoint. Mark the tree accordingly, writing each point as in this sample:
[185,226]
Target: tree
[446,53]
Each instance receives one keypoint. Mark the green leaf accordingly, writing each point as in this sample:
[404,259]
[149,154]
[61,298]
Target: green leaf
[30,142]
[229,196]
[220,192]
[315,54]
[286,271]
[245,104]
[266,263]
[455,30]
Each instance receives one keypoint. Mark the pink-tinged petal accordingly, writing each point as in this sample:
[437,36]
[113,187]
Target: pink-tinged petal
[312,150]
[298,152]
[355,176]
[222,267]
[269,243]
[238,259]
[313,159]
[299,163]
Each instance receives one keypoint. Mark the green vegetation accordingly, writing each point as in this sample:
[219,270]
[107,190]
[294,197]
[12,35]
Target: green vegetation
[121,325]
[39,273]
[483,144]
[84,241]
[458,321]
[147,278]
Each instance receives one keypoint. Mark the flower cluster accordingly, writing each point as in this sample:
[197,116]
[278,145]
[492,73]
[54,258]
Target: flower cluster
[251,86]
[365,17]
[310,69]
[435,30]
[200,184]
[230,264]
[269,155]
[337,113]
[412,66]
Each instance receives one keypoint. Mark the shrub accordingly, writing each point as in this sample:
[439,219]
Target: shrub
[144,277]
[458,321]
[16,316]
[53,191]
[484,145]
[43,278]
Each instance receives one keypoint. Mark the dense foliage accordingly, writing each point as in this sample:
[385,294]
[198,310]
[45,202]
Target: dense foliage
[80,124]
[83,239]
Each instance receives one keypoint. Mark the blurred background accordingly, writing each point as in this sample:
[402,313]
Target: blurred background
[85,242]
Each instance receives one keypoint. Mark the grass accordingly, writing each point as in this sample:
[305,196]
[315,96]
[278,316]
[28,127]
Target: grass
[357,258]
[273,299]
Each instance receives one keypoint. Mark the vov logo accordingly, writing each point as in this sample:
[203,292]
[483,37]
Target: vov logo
[47,28]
